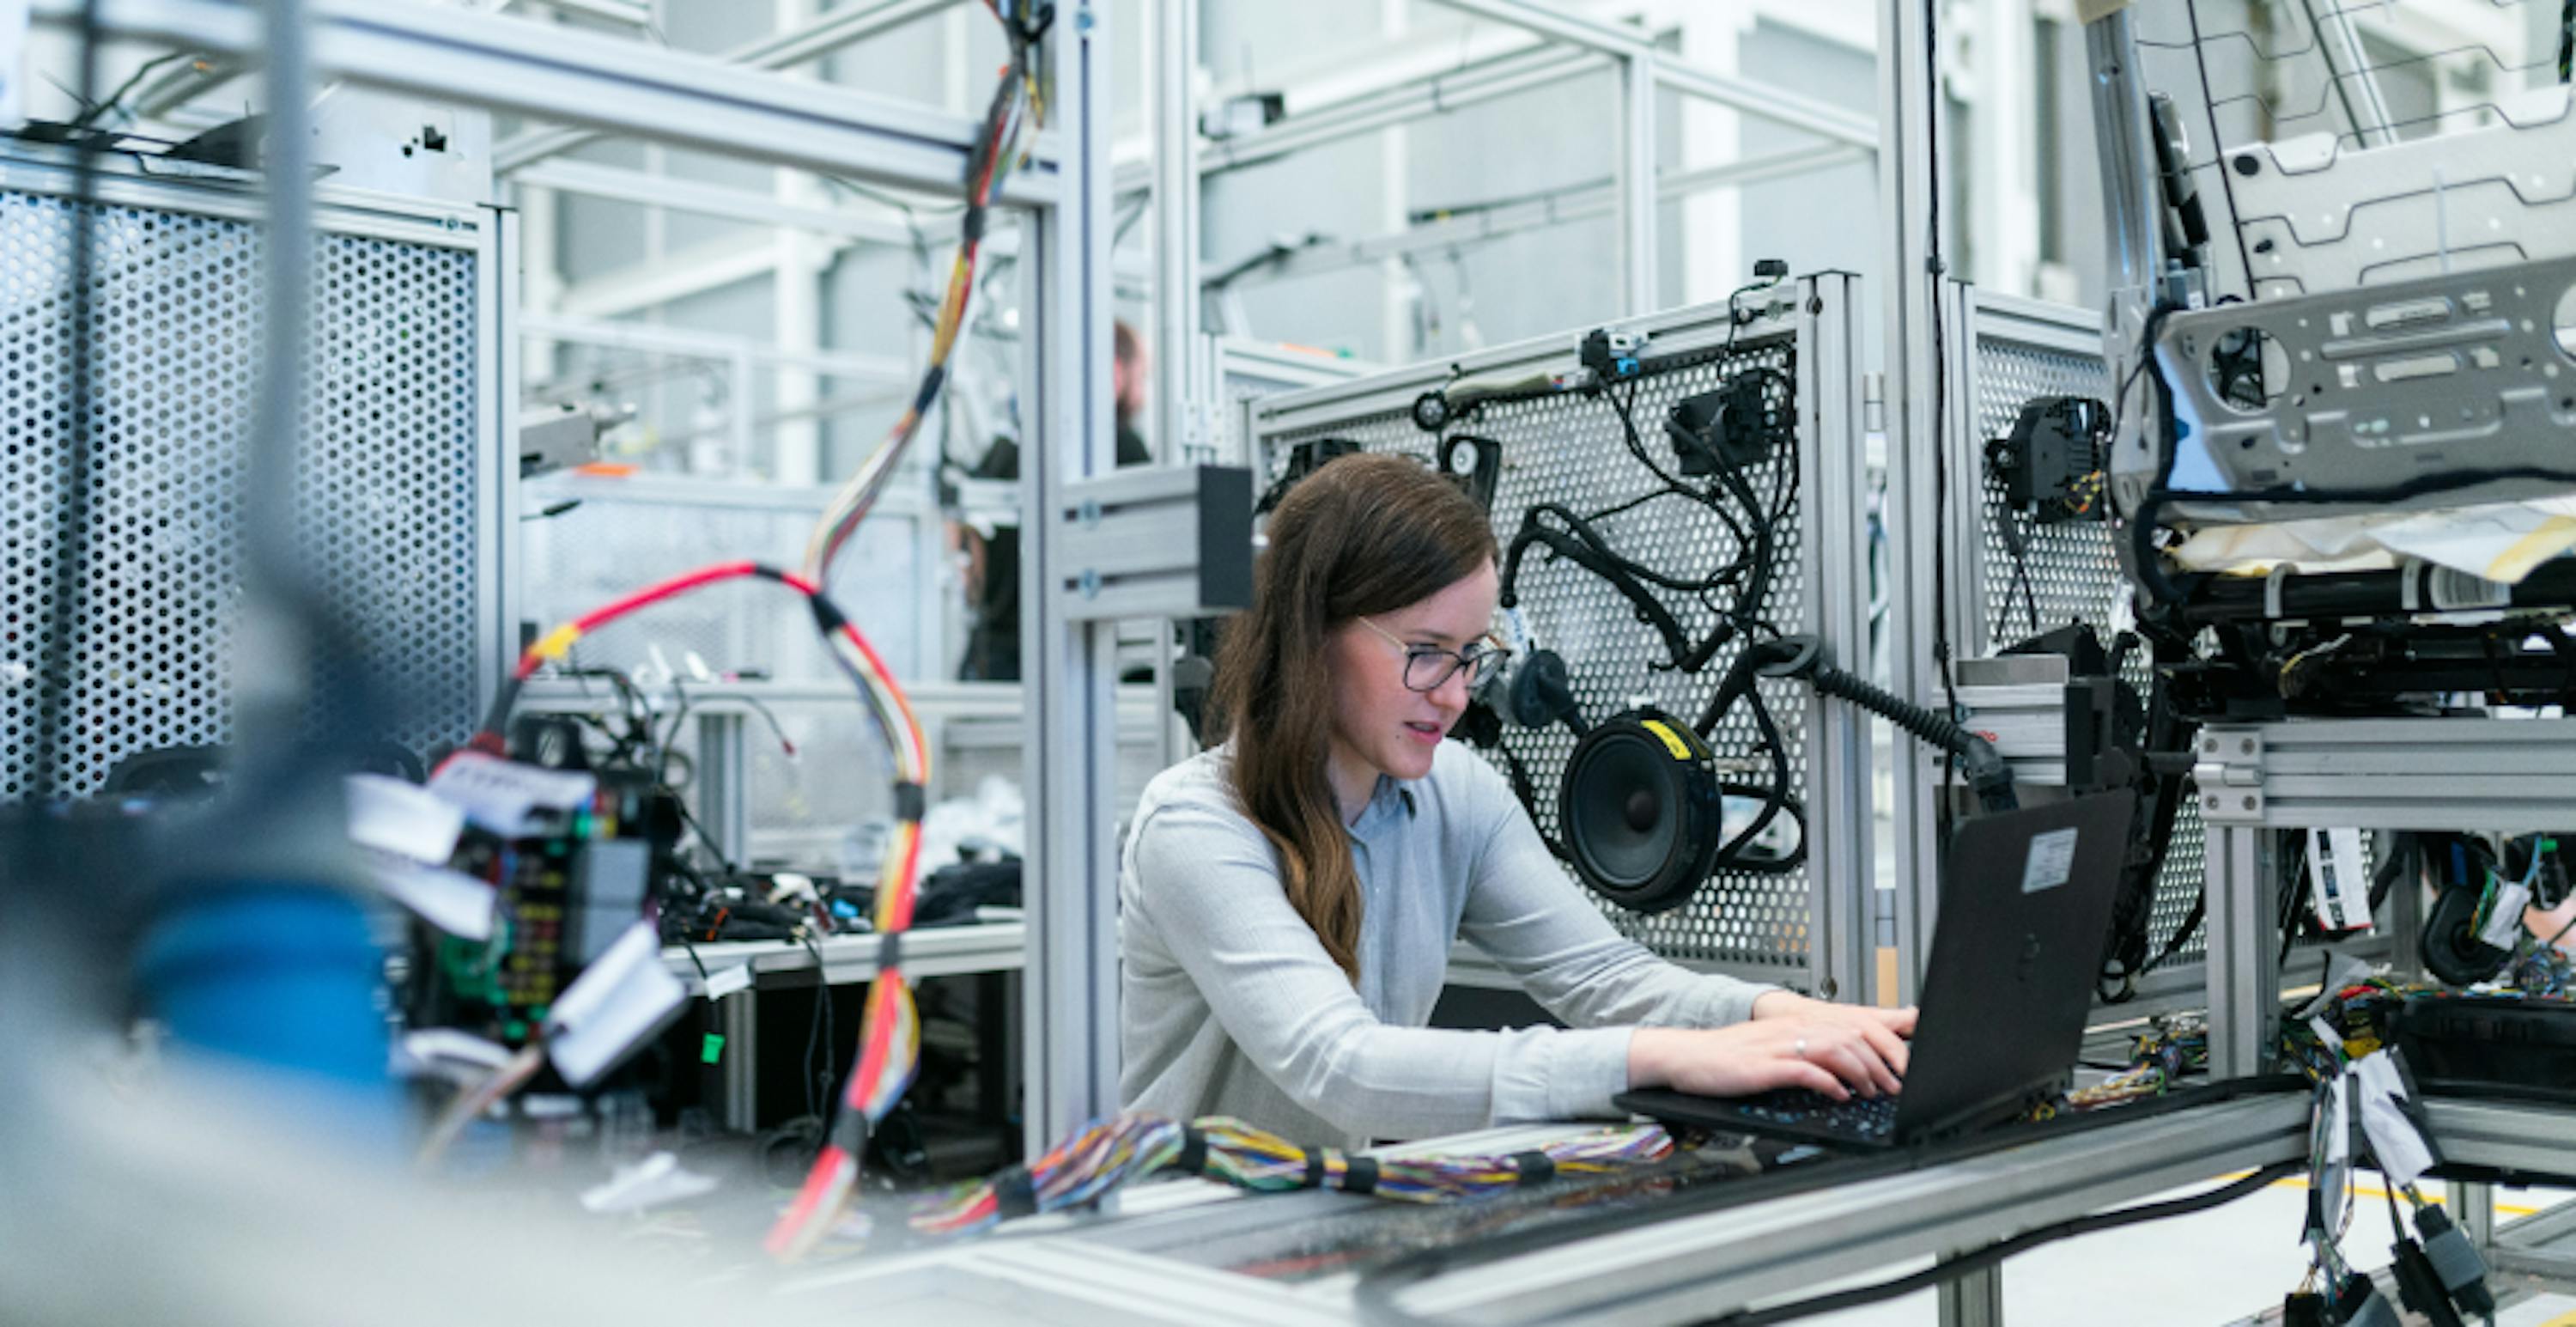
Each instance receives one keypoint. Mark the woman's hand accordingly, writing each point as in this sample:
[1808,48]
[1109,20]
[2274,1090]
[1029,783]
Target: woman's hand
[1834,1056]
[1789,1004]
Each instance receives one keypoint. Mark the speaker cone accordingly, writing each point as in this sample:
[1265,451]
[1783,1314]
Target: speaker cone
[1641,810]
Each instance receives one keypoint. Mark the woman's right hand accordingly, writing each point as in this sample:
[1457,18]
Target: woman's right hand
[1834,1057]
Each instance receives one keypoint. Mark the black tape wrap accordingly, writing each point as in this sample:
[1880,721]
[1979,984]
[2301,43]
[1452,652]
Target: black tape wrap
[1534,1167]
[1360,1175]
[850,1130]
[1316,1165]
[1193,1157]
[889,951]
[1015,1193]
[910,802]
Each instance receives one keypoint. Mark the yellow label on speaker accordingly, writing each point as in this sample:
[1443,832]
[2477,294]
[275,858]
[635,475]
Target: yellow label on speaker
[1672,740]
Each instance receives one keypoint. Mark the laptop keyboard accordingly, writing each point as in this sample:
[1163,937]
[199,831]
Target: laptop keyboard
[1861,1117]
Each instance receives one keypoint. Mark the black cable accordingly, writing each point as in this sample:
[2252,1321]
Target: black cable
[1996,1253]
[1940,405]
[56,687]
[2226,178]
[818,1088]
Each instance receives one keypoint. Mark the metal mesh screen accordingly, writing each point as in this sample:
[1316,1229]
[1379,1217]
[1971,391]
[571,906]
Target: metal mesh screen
[388,480]
[1572,450]
[2069,572]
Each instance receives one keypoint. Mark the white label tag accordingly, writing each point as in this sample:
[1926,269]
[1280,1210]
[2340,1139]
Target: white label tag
[452,901]
[505,796]
[2504,916]
[2051,860]
[406,819]
[725,981]
[2336,883]
[612,1007]
[2400,1147]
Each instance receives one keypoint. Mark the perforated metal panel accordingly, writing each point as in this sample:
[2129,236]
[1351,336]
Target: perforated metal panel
[390,496]
[1572,450]
[2069,571]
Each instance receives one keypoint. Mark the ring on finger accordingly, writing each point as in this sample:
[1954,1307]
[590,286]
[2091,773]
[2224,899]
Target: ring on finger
[1799,1049]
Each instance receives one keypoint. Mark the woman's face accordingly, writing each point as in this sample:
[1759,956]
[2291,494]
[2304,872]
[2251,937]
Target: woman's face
[1377,720]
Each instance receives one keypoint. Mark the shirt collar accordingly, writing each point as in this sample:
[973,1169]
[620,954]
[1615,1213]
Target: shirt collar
[1391,803]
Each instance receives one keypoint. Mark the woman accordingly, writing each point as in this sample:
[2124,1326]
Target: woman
[1289,898]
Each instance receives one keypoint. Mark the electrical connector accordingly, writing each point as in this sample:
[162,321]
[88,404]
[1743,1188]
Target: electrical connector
[2303,1308]
[2419,1287]
[2455,1260]
[2358,1303]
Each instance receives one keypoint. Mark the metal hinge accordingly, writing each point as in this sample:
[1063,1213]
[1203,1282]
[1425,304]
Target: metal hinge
[2229,776]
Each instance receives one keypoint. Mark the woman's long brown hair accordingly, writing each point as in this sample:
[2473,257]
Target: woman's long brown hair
[1362,535]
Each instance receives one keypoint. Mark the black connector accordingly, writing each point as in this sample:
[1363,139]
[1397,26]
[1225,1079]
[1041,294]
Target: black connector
[2456,1261]
[2304,1308]
[1612,356]
[2359,1302]
[2419,1287]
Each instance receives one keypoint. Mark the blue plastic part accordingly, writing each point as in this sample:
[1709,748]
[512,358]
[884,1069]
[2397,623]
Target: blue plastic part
[279,975]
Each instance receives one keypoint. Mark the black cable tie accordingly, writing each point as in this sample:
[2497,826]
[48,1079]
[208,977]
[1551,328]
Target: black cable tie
[1360,1176]
[850,1131]
[1535,1167]
[929,394]
[889,951]
[1015,1193]
[1315,1167]
[911,802]
[827,615]
[1194,1151]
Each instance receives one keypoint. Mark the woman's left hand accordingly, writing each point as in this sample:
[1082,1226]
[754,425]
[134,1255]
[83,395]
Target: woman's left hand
[1789,1004]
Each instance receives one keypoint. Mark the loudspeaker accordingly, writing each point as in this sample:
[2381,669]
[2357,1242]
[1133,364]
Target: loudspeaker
[1641,811]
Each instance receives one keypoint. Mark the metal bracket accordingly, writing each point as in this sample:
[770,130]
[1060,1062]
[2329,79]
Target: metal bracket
[1164,542]
[2229,773]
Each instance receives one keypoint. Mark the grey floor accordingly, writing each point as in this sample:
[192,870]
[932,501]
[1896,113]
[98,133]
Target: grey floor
[2227,1266]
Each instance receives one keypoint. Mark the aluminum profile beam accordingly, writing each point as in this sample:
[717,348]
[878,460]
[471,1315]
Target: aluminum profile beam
[709,200]
[679,342]
[1578,204]
[1764,101]
[781,50]
[603,83]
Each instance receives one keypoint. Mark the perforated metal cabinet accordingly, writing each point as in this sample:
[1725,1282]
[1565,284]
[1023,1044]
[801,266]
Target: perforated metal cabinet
[401,481]
[1810,927]
[2001,353]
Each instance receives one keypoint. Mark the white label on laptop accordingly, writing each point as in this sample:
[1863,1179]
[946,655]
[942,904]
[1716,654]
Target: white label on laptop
[2051,861]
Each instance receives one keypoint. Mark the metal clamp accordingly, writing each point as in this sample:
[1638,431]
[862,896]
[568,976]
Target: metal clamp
[2229,773]
[1165,542]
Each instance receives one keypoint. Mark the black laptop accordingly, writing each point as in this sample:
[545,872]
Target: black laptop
[2025,906]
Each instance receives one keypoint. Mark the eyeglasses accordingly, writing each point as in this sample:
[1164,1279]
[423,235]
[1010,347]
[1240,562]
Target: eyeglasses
[1426,667]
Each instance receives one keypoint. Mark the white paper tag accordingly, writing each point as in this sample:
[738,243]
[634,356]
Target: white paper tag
[2504,918]
[505,796]
[612,1007]
[406,819]
[2338,1124]
[2337,885]
[2394,1139]
[2326,1034]
[2051,860]
[452,901]
[725,981]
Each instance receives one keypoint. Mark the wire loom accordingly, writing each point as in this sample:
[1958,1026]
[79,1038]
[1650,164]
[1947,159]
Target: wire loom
[1122,1149]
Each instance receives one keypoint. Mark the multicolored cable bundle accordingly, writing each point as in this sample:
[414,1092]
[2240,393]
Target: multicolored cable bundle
[891,1040]
[1123,1148]
[1017,112]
